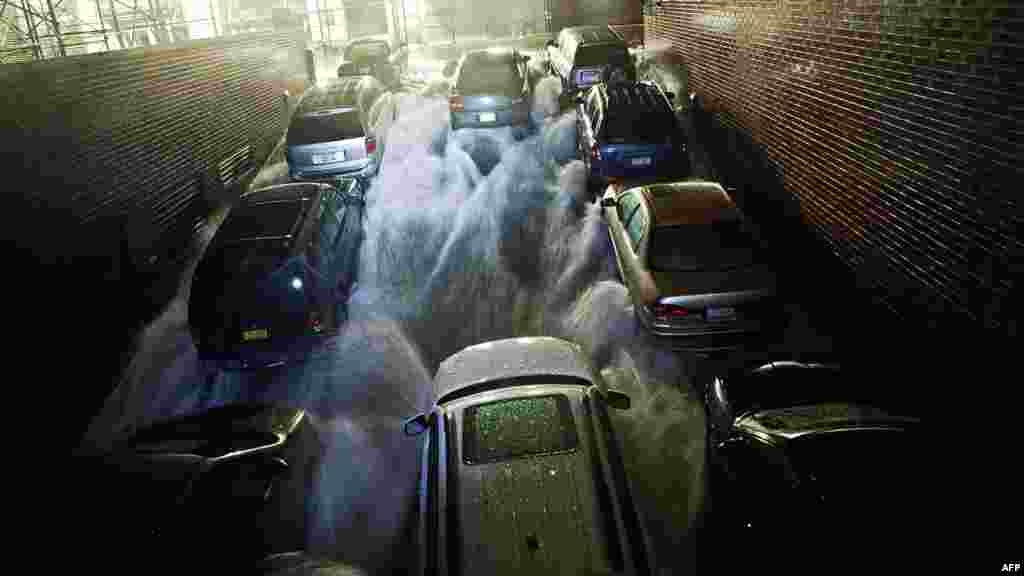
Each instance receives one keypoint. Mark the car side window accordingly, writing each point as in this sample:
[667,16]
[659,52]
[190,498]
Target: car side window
[628,204]
[637,225]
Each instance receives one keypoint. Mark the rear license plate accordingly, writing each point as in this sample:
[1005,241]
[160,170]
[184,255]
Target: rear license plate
[488,117]
[328,158]
[589,77]
[646,161]
[718,314]
[258,334]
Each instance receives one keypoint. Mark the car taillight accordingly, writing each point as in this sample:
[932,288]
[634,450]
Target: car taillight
[669,312]
[371,145]
[456,104]
[595,151]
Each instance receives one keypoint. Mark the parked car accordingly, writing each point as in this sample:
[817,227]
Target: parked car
[691,265]
[375,56]
[580,56]
[221,489]
[491,88]
[521,470]
[330,133]
[809,461]
[276,277]
[628,131]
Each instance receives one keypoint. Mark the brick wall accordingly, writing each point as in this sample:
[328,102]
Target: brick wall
[893,127]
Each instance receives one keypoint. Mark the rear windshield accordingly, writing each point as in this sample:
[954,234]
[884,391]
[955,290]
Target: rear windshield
[483,77]
[601,55]
[271,219]
[649,123]
[718,246]
[509,429]
[367,51]
[325,127]
[331,98]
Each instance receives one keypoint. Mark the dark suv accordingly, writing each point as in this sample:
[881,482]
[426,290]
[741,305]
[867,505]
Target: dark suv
[628,131]
[491,89]
[277,275]
[582,56]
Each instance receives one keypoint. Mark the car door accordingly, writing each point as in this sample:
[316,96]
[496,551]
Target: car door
[616,218]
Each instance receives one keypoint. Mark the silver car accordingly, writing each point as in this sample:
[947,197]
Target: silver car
[521,471]
[693,269]
[330,133]
[491,89]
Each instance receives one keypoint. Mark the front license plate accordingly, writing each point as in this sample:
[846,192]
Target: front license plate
[488,117]
[718,314]
[640,161]
[257,334]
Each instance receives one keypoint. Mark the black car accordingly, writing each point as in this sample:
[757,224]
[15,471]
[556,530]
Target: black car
[222,488]
[628,131]
[583,56]
[491,88]
[275,279]
[375,56]
[808,461]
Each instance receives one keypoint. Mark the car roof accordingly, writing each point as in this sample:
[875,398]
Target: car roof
[473,368]
[269,213]
[689,202]
[630,94]
[490,56]
[595,35]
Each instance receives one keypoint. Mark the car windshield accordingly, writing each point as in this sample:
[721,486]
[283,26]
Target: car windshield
[516,428]
[601,55]
[489,77]
[367,51]
[696,247]
[327,126]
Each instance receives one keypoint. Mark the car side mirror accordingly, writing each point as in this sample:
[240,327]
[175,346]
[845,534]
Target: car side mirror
[617,400]
[580,99]
[609,202]
[416,425]
[449,68]
[670,95]
[525,58]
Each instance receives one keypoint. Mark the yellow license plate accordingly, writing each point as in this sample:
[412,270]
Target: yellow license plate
[259,334]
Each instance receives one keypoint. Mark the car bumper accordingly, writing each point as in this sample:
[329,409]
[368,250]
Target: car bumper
[517,115]
[673,167]
[362,167]
[255,357]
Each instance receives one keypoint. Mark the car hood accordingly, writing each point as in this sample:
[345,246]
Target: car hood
[531,516]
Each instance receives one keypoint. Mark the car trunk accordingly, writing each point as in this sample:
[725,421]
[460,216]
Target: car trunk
[532,516]
[627,159]
[326,138]
[263,298]
[744,295]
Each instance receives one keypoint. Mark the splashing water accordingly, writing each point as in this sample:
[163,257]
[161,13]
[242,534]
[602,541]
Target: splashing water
[471,236]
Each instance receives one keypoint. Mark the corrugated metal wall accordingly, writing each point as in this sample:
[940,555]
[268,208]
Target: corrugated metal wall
[895,125]
[133,141]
